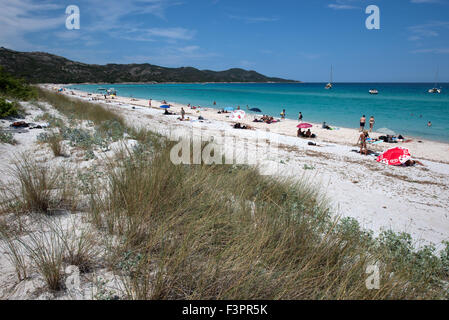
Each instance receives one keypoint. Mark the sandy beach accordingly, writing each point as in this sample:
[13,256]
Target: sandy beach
[419,148]
[380,197]
[403,199]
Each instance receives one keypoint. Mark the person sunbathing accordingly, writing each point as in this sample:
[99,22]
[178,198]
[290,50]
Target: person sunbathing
[269,120]
[325,126]
[166,112]
[411,163]
[240,126]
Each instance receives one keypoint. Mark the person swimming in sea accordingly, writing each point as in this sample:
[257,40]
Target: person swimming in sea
[429,124]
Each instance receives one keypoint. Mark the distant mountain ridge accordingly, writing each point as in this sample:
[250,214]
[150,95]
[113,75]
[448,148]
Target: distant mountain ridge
[41,67]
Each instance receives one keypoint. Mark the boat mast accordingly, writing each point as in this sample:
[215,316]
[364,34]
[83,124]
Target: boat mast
[331,74]
[436,78]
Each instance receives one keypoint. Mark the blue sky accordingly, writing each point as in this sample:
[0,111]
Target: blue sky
[294,39]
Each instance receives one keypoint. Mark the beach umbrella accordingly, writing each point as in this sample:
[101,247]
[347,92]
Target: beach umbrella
[229,109]
[304,125]
[164,106]
[237,115]
[395,156]
[255,110]
[386,131]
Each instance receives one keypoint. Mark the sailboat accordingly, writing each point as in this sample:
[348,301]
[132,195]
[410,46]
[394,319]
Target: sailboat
[435,89]
[329,85]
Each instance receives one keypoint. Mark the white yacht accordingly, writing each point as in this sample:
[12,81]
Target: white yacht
[329,85]
[435,89]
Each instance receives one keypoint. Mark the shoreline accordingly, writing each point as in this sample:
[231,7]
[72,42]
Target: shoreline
[413,137]
[426,149]
[155,82]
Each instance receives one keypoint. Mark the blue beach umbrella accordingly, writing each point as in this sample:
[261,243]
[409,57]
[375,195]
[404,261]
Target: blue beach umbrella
[164,106]
[255,110]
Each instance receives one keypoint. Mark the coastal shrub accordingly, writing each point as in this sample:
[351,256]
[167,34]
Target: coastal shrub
[83,138]
[89,155]
[7,137]
[444,256]
[111,129]
[52,120]
[8,109]
[14,87]
[424,265]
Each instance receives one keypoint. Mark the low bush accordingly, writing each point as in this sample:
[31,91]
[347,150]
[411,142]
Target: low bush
[8,109]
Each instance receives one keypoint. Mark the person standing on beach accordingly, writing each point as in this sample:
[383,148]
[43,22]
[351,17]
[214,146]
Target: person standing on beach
[300,117]
[149,103]
[362,140]
[371,123]
[362,123]
[183,113]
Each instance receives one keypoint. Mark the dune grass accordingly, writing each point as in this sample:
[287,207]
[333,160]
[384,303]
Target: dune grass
[36,188]
[78,109]
[226,232]
[56,146]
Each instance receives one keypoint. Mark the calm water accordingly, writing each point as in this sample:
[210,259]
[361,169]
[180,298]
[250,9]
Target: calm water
[403,108]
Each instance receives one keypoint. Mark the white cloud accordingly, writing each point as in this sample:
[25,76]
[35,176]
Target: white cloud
[428,30]
[253,19]
[425,1]
[21,17]
[344,5]
[341,6]
[434,50]
[153,34]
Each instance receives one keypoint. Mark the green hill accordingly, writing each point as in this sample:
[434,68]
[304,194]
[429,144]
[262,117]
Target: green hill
[41,67]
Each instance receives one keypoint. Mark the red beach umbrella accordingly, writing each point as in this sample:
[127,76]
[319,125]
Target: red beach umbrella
[304,125]
[395,156]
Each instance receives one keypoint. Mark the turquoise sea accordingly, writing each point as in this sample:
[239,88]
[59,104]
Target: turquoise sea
[402,107]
